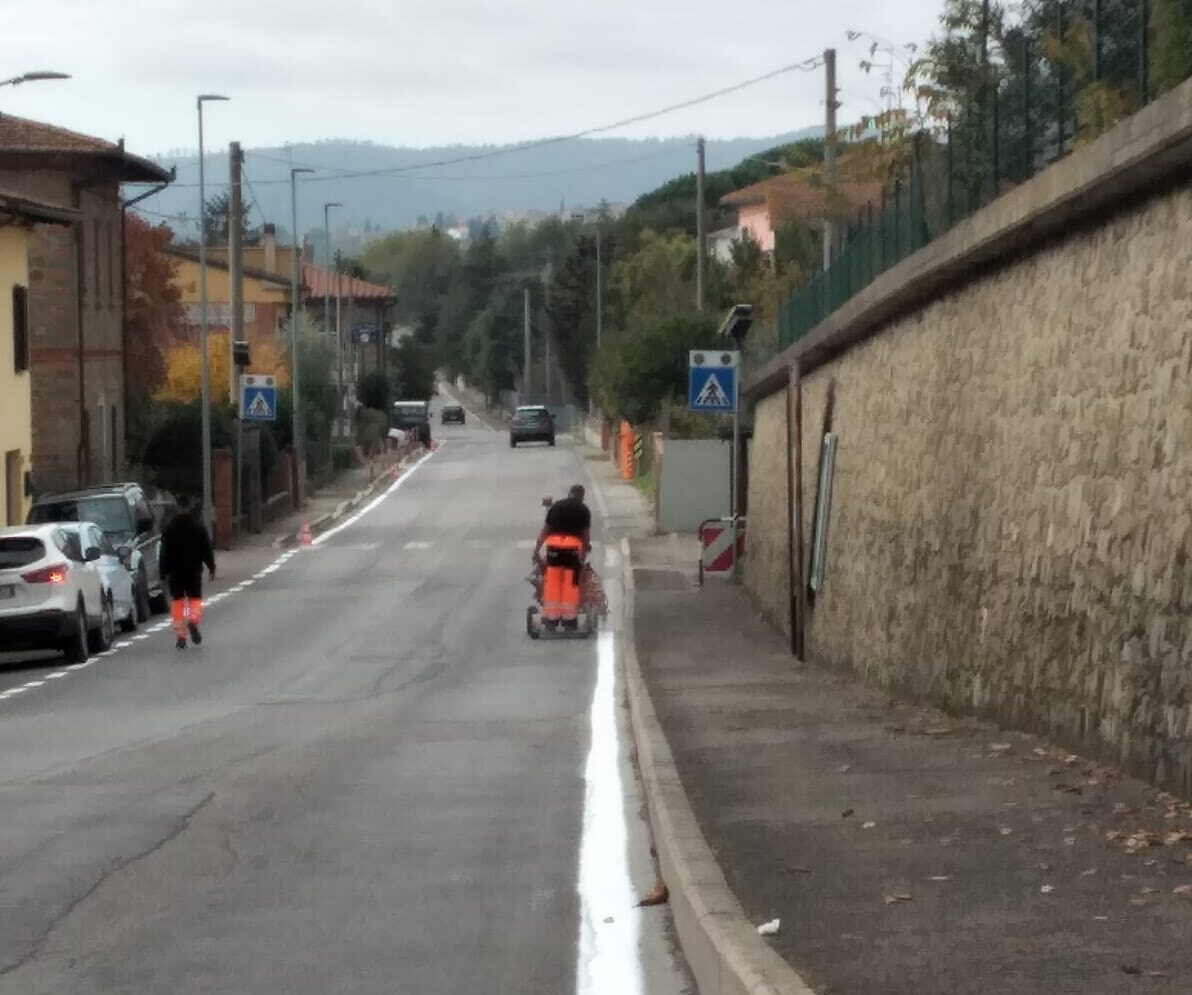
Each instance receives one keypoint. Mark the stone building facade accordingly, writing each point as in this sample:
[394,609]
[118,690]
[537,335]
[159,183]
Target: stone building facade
[76,311]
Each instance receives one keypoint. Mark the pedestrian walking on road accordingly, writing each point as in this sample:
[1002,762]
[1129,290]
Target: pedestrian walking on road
[185,550]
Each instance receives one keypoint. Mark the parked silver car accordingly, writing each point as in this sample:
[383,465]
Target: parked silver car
[116,573]
[51,596]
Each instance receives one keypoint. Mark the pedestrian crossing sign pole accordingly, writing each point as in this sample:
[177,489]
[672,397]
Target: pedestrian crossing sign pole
[713,388]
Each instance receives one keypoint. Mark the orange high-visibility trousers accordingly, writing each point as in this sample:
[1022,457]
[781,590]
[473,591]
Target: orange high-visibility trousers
[561,592]
[185,612]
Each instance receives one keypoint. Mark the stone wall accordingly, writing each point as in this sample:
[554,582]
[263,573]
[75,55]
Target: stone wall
[1011,518]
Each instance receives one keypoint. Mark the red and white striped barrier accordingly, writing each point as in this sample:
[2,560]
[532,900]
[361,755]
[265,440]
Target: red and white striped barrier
[716,545]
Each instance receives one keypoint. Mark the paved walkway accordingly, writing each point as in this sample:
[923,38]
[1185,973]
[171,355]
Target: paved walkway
[903,851]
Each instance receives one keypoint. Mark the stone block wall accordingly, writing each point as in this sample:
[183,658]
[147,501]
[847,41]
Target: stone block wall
[1011,520]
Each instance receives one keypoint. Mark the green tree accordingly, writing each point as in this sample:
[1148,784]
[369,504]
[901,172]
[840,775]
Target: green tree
[645,366]
[215,220]
[419,265]
[414,369]
[374,391]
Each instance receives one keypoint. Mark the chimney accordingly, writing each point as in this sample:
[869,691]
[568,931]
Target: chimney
[269,243]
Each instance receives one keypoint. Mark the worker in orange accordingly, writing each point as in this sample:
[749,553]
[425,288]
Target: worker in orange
[185,550]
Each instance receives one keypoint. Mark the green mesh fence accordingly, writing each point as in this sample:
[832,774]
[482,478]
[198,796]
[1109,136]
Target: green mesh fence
[1058,77]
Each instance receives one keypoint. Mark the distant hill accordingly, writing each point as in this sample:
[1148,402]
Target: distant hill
[578,173]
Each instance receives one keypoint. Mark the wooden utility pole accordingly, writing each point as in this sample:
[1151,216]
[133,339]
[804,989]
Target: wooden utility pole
[829,154]
[701,234]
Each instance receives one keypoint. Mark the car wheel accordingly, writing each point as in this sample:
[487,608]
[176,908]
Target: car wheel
[75,645]
[100,638]
[160,603]
[129,623]
[140,597]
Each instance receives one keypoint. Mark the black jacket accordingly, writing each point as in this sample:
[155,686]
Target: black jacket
[185,548]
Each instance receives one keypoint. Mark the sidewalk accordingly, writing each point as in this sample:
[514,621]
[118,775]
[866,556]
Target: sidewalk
[903,851]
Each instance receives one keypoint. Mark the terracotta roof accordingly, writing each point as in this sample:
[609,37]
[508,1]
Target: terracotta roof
[24,137]
[793,196]
[319,281]
[192,255]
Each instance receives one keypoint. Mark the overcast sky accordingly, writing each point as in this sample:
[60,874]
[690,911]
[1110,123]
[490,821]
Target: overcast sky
[435,72]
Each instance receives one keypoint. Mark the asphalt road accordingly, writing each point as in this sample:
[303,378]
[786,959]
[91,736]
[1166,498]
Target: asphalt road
[367,779]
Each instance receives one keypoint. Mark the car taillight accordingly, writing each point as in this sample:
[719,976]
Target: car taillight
[47,575]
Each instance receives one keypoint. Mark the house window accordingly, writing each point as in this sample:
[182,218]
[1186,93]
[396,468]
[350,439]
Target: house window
[20,328]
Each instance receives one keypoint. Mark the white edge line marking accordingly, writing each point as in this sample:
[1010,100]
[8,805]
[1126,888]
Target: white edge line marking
[609,957]
[391,489]
[79,666]
[13,691]
[139,637]
[35,684]
[56,675]
[125,643]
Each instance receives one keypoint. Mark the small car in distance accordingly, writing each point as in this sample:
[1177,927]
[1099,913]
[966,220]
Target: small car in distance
[452,413]
[532,423]
[51,595]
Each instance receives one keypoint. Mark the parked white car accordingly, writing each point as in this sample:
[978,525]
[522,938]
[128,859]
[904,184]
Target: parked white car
[51,597]
[115,572]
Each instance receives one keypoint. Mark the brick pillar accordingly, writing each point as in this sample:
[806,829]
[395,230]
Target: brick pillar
[225,495]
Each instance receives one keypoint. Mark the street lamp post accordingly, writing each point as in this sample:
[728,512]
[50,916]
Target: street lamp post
[208,500]
[327,282]
[295,310]
[33,77]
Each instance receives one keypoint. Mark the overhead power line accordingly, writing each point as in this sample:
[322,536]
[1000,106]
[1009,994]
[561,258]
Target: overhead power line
[328,173]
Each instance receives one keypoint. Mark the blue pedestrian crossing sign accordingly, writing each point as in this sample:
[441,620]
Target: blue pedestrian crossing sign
[712,381]
[258,397]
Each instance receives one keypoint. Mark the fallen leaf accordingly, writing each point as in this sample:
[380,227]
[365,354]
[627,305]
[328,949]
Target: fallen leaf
[658,896]
[845,768]
[940,877]
[847,813]
[939,731]
[1178,836]
[609,919]
[1150,891]
[1039,751]
[869,825]
[1044,867]
[1100,918]
[1182,889]
[1005,830]
[895,899]
[769,928]
[1047,889]
[1088,873]
[1001,747]
[1131,969]
[1069,841]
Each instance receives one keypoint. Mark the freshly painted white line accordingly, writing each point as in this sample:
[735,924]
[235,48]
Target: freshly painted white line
[237,589]
[12,691]
[418,544]
[80,666]
[109,653]
[35,684]
[610,922]
[56,675]
[140,637]
[391,489]
[125,643]
[248,583]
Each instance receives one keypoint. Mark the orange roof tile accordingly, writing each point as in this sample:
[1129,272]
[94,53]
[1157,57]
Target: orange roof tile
[22,136]
[320,281]
[792,196]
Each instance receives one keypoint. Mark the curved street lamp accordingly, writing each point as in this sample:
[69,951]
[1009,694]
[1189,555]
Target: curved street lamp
[36,76]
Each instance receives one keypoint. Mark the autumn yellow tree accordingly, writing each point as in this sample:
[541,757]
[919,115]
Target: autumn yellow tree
[184,374]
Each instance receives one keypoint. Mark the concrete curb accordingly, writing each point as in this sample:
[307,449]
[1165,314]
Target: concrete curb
[348,505]
[722,948]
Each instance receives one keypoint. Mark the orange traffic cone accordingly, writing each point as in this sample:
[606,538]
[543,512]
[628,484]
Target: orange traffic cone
[304,536]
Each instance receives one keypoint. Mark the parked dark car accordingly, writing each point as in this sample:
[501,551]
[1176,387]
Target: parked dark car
[123,514]
[532,424]
[452,413]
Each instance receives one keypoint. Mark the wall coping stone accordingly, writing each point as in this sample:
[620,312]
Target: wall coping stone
[1137,155]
